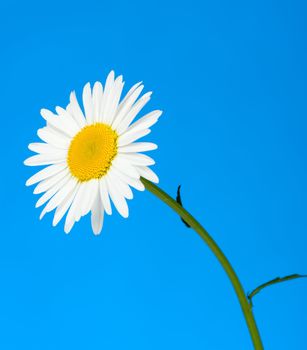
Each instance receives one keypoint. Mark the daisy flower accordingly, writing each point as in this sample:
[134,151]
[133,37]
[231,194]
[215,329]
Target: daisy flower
[91,156]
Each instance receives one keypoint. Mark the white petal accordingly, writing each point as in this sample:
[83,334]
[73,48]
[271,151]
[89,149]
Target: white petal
[123,125]
[45,173]
[48,115]
[69,119]
[125,106]
[137,147]
[125,167]
[137,159]
[63,207]
[76,110]
[60,196]
[44,185]
[73,211]
[68,109]
[112,106]
[53,190]
[40,147]
[117,198]
[131,136]
[107,97]
[59,123]
[81,194]
[47,135]
[145,122]
[50,205]
[130,92]
[97,99]
[54,123]
[105,196]
[45,159]
[123,187]
[90,187]
[97,215]
[135,183]
[88,103]
[148,174]
[57,132]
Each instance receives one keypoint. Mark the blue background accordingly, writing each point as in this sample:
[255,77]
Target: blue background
[231,80]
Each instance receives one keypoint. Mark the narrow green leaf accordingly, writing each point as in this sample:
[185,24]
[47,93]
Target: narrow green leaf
[179,201]
[271,282]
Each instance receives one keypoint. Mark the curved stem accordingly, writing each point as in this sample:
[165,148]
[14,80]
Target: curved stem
[245,305]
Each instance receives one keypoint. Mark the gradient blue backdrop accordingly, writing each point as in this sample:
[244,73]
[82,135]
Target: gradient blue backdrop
[231,79]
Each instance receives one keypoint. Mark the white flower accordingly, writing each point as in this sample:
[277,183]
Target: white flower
[92,156]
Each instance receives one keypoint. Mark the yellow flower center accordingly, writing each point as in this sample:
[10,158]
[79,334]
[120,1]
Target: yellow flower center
[91,152]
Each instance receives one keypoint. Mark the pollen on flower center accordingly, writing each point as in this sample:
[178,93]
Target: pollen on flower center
[91,152]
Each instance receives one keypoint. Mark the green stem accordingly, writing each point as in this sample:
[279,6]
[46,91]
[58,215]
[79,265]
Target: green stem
[245,305]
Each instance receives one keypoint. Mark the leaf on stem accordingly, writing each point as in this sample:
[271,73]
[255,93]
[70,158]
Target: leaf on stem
[179,201]
[271,282]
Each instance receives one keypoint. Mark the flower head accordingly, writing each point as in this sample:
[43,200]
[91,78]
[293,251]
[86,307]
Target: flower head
[91,155]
